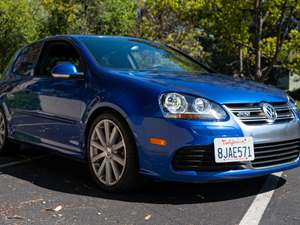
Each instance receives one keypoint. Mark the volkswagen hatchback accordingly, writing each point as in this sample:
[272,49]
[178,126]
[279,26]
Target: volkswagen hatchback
[132,108]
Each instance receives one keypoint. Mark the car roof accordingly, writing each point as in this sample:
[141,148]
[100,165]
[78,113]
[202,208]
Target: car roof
[78,36]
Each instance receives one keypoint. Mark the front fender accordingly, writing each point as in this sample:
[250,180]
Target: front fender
[132,100]
[98,105]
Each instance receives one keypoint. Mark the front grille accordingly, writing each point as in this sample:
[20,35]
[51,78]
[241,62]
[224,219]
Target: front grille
[252,114]
[276,153]
[199,158]
[271,154]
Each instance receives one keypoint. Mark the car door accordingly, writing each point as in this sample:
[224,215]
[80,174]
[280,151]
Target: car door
[17,102]
[56,104]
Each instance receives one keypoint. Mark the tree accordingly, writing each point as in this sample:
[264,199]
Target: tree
[119,17]
[18,27]
[255,33]
[62,17]
[165,21]
[252,39]
[277,16]
[111,17]
[89,16]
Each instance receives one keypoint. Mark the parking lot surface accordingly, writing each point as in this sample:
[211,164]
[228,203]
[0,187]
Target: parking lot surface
[39,188]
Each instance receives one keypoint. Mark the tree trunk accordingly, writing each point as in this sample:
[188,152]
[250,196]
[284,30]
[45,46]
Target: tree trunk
[281,27]
[241,61]
[258,35]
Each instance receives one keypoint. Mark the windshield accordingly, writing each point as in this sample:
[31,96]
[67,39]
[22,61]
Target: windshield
[134,54]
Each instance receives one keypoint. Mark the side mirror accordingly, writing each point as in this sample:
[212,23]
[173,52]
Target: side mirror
[65,71]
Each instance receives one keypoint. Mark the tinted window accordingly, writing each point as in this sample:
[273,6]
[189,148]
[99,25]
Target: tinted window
[55,53]
[26,61]
[8,69]
[134,54]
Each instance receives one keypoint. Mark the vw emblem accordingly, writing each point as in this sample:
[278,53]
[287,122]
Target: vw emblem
[269,112]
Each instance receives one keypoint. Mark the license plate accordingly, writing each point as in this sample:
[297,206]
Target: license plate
[234,149]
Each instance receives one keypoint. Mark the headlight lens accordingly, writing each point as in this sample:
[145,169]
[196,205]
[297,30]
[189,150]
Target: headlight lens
[179,106]
[293,104]
[201,105]
[175,103]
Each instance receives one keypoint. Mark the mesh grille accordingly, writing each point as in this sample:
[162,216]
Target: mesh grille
[276,153]
[199,158]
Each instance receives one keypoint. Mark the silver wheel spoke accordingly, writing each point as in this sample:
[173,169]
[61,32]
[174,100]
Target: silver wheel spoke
[96,145]
[101,168]
[118,146]
[99,156]
[115,169]
[113,136]
[106,130]
[108,172]
[118,160]
[100,136]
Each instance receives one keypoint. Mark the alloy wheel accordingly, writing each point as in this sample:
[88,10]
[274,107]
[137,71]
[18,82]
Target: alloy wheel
[107,152]
[2,129]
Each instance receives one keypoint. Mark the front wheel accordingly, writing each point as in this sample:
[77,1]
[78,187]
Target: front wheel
[111,154]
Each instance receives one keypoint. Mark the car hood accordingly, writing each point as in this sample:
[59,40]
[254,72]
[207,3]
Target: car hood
[217,87]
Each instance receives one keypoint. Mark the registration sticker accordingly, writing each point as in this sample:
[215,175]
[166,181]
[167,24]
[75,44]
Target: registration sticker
[237,149]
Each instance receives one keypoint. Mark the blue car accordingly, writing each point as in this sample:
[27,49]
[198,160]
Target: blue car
[134,109]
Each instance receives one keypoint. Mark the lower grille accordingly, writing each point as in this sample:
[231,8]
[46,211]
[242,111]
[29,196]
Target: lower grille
[276,153]
[202,158]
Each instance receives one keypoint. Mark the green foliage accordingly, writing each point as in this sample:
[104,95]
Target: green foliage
[220,32]
[61,17]
[166,21]
[117,17]
[18,27]
[94,16]
[290,55]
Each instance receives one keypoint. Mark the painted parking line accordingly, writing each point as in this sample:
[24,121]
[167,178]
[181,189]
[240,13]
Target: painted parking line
[22,161]
[261,201]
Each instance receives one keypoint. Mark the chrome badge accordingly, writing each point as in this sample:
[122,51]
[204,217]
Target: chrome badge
[269,112]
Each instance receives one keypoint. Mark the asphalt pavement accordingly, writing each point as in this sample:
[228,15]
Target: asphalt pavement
[39,188]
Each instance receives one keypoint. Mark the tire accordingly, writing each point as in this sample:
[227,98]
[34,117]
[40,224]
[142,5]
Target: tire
[112,158]
[3,134]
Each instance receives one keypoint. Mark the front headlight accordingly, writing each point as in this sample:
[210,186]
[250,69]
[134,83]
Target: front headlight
[293,104]
[179,106]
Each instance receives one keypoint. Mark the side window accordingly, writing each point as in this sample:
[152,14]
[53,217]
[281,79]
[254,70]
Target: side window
[27,60]
[57,52]
[8,69]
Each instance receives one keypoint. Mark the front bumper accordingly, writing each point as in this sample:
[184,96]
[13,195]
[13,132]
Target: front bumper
[214,176]
[156,161]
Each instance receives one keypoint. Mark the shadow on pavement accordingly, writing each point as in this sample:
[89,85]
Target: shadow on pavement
[67,176]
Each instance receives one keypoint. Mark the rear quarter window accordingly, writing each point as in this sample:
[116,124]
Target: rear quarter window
[27,60]
[8,68]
